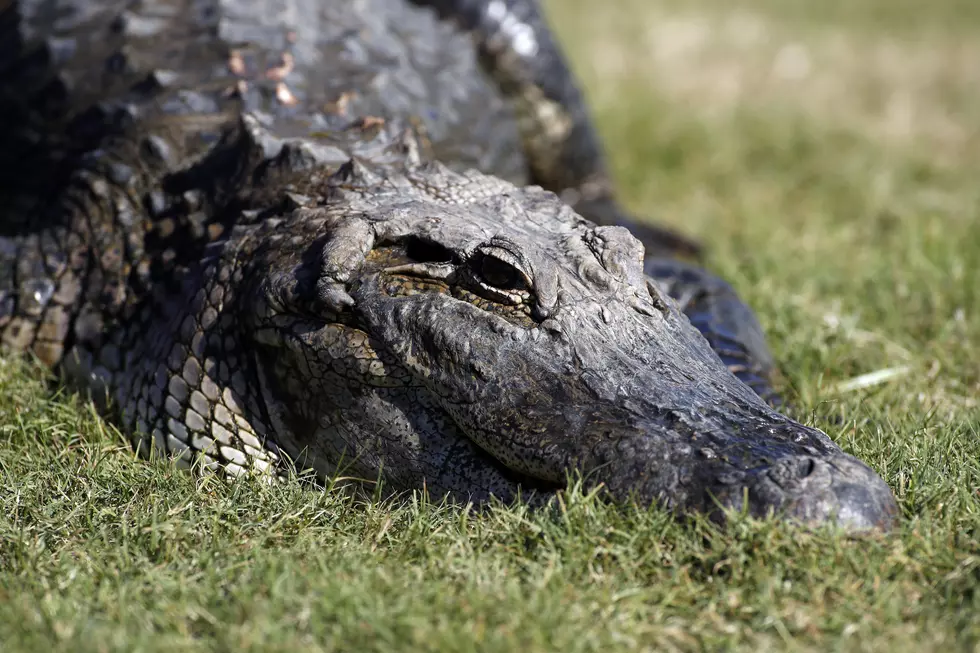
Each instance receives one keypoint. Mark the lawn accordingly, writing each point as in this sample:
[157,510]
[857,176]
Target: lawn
[828,155]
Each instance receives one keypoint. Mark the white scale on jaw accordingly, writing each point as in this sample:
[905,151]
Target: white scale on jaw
[519,34]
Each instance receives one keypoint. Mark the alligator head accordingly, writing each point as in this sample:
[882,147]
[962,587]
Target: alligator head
[453,332]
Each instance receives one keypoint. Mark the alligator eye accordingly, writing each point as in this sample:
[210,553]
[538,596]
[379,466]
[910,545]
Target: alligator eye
[499,274]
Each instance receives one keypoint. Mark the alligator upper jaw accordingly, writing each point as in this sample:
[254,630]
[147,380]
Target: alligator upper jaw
[778,469]
[838,490]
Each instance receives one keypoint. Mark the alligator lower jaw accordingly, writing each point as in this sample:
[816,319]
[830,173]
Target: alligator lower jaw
[807,491]
[530,488]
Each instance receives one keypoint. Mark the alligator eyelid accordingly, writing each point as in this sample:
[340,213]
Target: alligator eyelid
[514,290]
[513,299]
[508,251]
[440,271]
[507,257]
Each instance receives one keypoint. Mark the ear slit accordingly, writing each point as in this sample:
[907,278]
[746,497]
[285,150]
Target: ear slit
[422,250]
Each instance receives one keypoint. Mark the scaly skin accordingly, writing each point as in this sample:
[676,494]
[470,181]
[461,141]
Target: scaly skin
[562,149]
[248,296]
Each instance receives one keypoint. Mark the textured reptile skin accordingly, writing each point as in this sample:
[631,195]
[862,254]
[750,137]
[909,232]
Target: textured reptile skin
[222,219]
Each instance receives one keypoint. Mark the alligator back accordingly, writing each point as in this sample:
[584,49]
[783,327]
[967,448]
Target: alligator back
[73,70]
[108,107]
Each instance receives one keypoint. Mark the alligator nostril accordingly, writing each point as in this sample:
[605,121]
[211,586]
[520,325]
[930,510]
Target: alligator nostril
[805,467]
[789,473]
[842,490]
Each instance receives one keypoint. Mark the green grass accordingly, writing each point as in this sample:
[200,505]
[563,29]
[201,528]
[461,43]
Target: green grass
[828,154]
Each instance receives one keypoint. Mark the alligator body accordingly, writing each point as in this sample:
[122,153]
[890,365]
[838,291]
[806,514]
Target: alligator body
[256,229]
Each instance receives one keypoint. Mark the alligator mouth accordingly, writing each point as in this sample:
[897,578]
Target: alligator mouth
[839,489]
[804,486]
[853,499]
[529,487]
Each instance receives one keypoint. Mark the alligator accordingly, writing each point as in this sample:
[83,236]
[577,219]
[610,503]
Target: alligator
[375,239]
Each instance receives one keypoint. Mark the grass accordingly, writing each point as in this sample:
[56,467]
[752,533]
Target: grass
[828,155]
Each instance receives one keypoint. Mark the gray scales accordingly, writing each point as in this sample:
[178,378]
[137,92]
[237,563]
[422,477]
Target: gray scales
[255,232]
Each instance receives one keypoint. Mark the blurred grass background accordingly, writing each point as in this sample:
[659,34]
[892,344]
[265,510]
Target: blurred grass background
[828,154]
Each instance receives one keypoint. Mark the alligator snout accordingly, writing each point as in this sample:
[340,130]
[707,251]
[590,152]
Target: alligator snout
[765,465]
[840,489]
